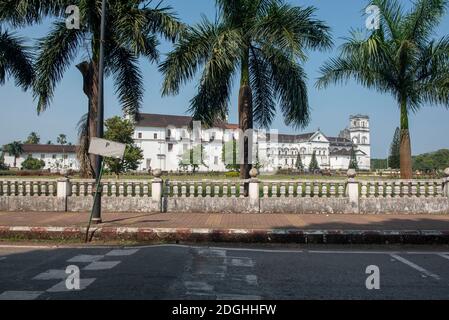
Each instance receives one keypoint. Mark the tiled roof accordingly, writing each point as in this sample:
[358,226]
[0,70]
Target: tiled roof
[47,148]
[163,121]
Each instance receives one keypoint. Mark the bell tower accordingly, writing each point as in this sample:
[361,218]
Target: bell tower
[360,135]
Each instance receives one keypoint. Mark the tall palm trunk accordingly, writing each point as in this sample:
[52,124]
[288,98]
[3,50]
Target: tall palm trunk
[89,70]
[405,150]
[245,114]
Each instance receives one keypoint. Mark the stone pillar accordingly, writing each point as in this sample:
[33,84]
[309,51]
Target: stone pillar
[352,191]
[446,182]
[63,191]
[156,188]
[254,191]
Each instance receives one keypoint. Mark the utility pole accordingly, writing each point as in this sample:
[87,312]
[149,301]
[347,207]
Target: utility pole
[96,218]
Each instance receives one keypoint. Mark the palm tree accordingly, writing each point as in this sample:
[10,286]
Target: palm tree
[15,60]
[261,41]
[400,58]
[14,149]
[132,32]
[62,139]
[33,138]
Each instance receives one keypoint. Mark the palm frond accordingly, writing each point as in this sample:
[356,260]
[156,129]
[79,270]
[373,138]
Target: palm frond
[15,60]
[55,53]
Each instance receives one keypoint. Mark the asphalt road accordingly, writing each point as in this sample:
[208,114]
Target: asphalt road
[186,272]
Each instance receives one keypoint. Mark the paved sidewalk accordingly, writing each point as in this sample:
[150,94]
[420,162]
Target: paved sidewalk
[232,227]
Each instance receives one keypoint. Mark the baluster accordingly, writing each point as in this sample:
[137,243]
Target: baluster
[316,189]
[13,188]
[27,188]
[341,190]
[192,190]
[265,190]
[208,190]
[51,189]
[274,190]
[175,189]
[308,190]
[89,189]
[406,189]
[282,190]
[114,189]
[414,189]
[324,190]
[146,191]
[121,189]
[82,189]
[5,189]
[380,190]
[389,190]
[217,190]
[129,189]
[422,189]
[44,189]
[184,190]
[431,189]
[105,189]
[35,188]
[397,189]
[364,189]
[225,190]
[372,189]
[233,190]
[242,190]
[200,190]
[20,188]
[291,190]
[332,190]
[299,190]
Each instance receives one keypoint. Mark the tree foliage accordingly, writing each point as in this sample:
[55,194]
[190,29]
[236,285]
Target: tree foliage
[299,165]
[353,163]
[33,138]
[193,158]
[314,166]
[122,130]
[438,160]
[394,160]
[402,58]
[33,164]
[262,41]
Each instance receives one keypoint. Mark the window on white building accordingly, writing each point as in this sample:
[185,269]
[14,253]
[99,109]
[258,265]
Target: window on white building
[139,135]
[216,160]
[42,156]
[170,147]
[53,156]
[155,136]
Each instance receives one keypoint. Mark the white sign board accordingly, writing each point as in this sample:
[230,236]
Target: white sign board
[106,148]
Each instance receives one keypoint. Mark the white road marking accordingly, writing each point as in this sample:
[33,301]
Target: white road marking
[250,279]
[207,252]
[102,265]
[62,287]
[51,275]
[204,287]
[20,295]
[2,258]
[85,258]
[239,262]
[416,267]
[121,252]
[444,256]
[237,297]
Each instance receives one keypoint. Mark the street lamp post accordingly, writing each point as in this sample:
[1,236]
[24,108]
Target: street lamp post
[96,218]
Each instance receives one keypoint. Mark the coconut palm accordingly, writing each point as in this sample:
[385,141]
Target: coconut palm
[132,31]
[261,42]
[14,149]
[15,60]
[401,58]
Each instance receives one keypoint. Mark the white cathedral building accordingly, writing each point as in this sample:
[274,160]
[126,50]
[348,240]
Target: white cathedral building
[164,140]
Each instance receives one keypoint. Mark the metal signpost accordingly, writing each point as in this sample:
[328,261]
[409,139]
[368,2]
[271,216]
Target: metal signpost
[107,149]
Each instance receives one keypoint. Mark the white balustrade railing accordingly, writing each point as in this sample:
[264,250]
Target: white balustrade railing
[401,189]
[112,188]
[303,189]
[204,189]
[28,187]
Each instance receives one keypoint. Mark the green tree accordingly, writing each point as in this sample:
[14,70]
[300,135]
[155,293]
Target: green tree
[62,139]
[438,160]
[400,58]
[231,149]
[49,142]
[314,166]
[193,158]
[353,163]
[260,41]
[132,31]
[394,160]
[15,60]
[33,164]
[3,165]
[299,165]
[33,138]
[14,149]
[122,130]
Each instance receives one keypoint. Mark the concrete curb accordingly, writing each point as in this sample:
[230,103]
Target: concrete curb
[176,235]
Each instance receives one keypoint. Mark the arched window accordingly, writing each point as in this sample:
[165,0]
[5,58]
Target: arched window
[356,140]
[364,140]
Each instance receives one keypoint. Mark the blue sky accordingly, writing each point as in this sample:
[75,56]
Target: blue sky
[331,107]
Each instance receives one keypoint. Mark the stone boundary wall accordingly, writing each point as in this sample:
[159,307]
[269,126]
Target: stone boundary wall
[228,196]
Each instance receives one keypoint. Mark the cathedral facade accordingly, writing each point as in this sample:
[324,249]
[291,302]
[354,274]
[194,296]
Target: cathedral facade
[166,139]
